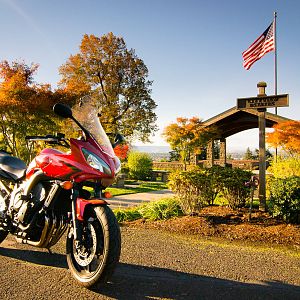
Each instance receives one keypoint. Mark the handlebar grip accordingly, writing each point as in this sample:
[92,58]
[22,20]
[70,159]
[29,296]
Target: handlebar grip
[48,138]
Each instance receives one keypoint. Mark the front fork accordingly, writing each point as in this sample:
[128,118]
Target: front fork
[79,206]
[77,228]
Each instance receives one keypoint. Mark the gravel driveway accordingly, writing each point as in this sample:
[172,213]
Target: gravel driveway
[156,265]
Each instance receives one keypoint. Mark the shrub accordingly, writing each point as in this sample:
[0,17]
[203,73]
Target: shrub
[234,189]
[128,214]
[156,210]
[285,198]
[199,187]
[139,165]
[215,178]
[285,167]
[161,210]
[194,189]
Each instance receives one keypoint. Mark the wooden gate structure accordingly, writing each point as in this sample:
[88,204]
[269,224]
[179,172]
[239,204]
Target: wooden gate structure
[230,122]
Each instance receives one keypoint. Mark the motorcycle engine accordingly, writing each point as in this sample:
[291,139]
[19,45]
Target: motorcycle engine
[21,207]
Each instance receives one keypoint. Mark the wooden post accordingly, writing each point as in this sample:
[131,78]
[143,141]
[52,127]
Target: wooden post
[262,149]
[210,153]
[261,103]
[223,152]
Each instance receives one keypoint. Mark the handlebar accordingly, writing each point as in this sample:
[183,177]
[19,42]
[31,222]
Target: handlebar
[35,138]
[58,139]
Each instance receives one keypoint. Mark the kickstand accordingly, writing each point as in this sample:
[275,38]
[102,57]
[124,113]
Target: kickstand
[49,250]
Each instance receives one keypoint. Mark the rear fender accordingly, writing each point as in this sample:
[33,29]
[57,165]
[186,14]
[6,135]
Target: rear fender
[81,205]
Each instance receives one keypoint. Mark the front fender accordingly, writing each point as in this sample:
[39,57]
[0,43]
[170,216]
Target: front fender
[81,204]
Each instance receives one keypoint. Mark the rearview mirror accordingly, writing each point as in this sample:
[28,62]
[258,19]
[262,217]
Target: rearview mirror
[62,110]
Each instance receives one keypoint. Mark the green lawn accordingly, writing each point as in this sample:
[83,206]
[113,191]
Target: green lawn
[137,187]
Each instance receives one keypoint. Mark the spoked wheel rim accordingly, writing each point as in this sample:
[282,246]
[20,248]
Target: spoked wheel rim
[88,256]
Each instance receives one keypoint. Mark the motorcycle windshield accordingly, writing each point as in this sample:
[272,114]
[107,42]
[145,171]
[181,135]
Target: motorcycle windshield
[87,115]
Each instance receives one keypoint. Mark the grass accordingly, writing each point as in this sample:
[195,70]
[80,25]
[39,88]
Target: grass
[204,242]
[137,187]
[127,214]
[220,201]
[133,187]
[157,210]
[161,210]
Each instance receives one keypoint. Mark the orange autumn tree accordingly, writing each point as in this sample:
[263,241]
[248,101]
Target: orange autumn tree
[121,151]
[187,135]
[286,135]
[25,107]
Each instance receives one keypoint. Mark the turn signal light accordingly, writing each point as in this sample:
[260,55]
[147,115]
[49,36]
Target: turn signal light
[107,195]
[67,185]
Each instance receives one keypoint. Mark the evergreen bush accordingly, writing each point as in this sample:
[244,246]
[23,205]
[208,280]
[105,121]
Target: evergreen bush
[234,188]
[285,198]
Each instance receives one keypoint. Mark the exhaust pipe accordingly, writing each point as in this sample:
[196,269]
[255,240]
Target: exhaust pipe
[42,239]
[50,235]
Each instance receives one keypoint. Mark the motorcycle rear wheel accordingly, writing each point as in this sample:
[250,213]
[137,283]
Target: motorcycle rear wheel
[93,262]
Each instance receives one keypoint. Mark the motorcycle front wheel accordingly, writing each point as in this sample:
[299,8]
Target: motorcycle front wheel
[93,259]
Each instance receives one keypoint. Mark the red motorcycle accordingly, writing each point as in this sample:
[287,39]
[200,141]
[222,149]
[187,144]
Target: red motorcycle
[61,192]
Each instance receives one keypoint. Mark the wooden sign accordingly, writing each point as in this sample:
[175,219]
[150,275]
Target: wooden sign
[263,101]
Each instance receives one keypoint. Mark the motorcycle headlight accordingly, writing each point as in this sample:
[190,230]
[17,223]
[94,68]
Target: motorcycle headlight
[96,162]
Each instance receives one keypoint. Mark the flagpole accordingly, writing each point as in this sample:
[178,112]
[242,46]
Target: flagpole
[275,57]
[275,70]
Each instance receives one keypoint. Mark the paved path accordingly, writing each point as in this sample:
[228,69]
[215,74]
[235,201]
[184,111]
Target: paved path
[136,199]
[156,265]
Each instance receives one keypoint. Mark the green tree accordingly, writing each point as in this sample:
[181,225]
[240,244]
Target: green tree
[25,107]
[269,155]
[174,156]
[118,81]
[248,154]
[256,154]
[229,156]
[139,165]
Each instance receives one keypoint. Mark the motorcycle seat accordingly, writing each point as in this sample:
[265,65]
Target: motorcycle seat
[12,166]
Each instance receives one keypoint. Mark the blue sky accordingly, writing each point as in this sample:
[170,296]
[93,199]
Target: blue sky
[191,48]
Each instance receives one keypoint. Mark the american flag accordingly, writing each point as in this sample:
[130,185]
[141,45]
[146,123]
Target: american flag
[264,44]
